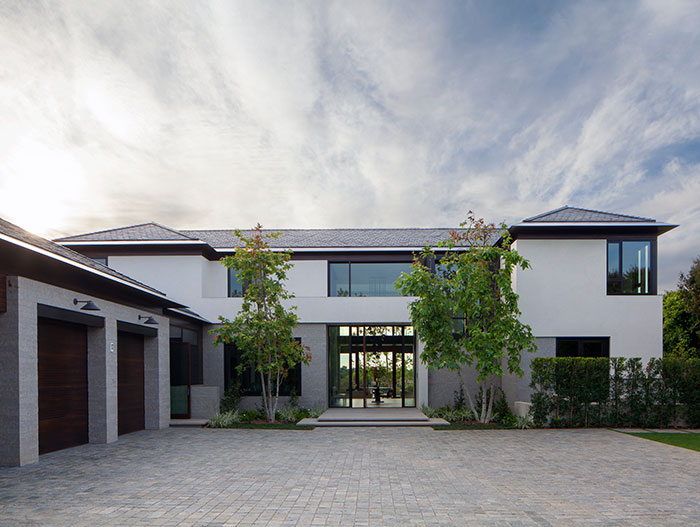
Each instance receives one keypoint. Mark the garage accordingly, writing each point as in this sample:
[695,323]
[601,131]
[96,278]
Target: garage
[130,383]
[63,385]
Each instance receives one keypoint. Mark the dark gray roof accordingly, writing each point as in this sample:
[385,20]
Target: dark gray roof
[13,231]
[575,214]
[142,232]
[330,238]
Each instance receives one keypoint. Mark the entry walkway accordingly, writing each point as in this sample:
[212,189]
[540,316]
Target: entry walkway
[372,417]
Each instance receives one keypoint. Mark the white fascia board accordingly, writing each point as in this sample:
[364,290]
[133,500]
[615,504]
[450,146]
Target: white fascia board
[79,265]
[337,249]
[594,224]
[132,242]
[189,315]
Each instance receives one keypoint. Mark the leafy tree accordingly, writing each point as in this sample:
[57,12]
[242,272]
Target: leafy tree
[262,329]
[470,289]
[682,316]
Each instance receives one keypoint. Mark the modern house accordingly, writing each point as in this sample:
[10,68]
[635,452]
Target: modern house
[592,291]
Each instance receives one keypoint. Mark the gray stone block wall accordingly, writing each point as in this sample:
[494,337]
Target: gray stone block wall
[204,401]
[518,388]
[444,383]
[19,420]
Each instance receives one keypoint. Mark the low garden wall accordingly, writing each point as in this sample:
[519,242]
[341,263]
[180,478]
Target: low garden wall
[615,392]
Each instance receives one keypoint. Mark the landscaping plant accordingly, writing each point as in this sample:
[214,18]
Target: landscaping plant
[262,329]
[467,285]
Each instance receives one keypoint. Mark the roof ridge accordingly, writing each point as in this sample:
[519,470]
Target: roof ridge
[546,213]
[171,230]
[104,230]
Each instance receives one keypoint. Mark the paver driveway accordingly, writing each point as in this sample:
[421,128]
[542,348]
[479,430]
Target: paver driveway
[367,477]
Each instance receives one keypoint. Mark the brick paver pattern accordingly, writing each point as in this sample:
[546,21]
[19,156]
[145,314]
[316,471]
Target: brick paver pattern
[359,477]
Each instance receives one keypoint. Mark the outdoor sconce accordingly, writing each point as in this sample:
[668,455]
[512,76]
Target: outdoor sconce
[148,320]
[89,305]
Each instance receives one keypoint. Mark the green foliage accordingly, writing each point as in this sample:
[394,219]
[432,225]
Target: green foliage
[681,326]
[523,422]
[288,414]
[501,411]
[615,392]
[263,327]
[231,399]
[224,419]
[472,284]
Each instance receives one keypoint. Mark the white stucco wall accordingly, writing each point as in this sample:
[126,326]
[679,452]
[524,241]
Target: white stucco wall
[564,295]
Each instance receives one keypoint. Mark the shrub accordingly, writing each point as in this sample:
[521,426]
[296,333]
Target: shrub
[288,414]
[231,399]
[615,392]
[224,419]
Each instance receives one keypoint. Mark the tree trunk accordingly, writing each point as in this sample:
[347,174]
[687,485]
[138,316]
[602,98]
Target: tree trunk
[490,410]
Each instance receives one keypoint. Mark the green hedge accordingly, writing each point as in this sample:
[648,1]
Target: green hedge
[615,392]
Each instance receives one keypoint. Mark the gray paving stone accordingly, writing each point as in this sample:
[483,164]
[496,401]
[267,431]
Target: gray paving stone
[358,477]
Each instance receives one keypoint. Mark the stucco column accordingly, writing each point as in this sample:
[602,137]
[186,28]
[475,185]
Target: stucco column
[156,363]
[102,382]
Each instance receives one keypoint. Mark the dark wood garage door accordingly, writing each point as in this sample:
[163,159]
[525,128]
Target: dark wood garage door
[130,382]
[63,385]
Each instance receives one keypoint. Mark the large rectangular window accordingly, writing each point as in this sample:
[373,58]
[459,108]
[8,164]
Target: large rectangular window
[631,268]
[583,347]
[249,379]
[365,278]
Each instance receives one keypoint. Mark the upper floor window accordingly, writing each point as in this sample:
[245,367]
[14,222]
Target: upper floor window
[365,278]
[235,286]
[631,267]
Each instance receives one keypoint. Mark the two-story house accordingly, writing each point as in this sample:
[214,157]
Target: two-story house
[592,291]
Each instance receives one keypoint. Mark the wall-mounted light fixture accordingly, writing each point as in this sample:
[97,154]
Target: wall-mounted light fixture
[89,305]
[148,320]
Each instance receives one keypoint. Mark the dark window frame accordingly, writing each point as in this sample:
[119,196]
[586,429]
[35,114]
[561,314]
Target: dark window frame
[349,264]
[580,342]
[653,267]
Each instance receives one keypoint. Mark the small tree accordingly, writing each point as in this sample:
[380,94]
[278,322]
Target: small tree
[466,312]
[262,330]
[682,316]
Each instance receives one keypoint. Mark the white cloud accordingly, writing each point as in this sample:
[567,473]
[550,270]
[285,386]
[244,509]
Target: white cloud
[355,114]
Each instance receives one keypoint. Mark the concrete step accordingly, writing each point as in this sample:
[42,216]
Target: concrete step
[372,414]
[188,422]
[423,422]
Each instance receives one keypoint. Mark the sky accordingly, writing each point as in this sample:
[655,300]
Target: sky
[349,114]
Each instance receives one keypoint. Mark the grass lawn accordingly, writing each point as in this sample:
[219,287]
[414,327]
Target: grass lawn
[689,441]
[268,426]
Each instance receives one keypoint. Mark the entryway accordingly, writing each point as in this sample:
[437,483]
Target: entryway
[372,417]
[372,366]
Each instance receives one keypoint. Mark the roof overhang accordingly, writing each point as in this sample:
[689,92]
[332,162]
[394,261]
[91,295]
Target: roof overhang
[592,229]
[42,265]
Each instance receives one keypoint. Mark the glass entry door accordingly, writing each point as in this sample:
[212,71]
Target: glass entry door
[372,366]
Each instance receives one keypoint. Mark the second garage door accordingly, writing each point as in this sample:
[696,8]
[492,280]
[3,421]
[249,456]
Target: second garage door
[130,383]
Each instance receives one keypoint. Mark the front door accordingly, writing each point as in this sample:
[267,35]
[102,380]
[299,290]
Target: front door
[371,366]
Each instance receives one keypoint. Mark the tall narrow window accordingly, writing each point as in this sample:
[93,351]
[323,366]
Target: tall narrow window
[631,269]
[235,286]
